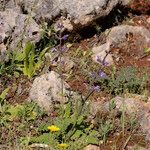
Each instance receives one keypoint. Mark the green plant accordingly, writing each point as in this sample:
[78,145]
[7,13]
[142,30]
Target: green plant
[31,61]
[72,129]
[105,128]
[124,80]
[27,61]
[147,50]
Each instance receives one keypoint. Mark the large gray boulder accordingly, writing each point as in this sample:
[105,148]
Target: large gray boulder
[17,29]
[80,12]
[10,4]
[117,36]
[49,89]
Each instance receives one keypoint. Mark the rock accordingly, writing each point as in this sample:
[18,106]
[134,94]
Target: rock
[91,147]
[136,147]
[10,4]
[148,20]
[68,63]
[63,61]
[75,13]
[17,28]
[95,107]
[141,6]
[116,36]
[134,106]
[3,51]
[47,90]
[100,54]
[81,13]
[66,22]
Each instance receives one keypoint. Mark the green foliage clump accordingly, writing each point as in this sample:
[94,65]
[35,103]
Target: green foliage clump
[126,79]
[27,61]
[74,131]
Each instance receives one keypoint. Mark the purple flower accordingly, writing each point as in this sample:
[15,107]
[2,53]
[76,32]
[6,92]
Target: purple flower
[64,48]
[102,74]
[96,88]
[62,62]
[92,74]
[53,49]
[98,59]
[60,26]
[105,63]
[65,37]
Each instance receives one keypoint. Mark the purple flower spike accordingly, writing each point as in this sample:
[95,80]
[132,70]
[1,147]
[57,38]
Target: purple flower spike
[105,63]
[53,49]
[64,48]
[65,37]
[96,88]
[60,26]
[92,74]
[98,59]
[101,73]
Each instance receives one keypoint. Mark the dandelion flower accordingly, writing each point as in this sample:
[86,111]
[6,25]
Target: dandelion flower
[53,128]
[34,114]
[63,145]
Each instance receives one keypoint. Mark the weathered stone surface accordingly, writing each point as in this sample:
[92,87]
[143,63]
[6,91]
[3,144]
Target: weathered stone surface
[91,147]
[79,12]
[116,36]
[67,63]
[137,106]
[47,90]
[10,4]
[148,20]
[100,52]
[17,28]
[135,147]
[133,104]
[3,56]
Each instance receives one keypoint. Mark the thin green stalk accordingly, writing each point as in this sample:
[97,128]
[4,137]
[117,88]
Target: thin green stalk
[123,119]
[78,111]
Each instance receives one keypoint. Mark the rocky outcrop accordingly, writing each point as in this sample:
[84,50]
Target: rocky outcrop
[92,147]
[49,89]
[117,36]
[135,106]
[79,12]
[16,29]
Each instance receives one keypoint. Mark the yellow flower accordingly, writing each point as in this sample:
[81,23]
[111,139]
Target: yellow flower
[63,145]
[53,128]
[34,114]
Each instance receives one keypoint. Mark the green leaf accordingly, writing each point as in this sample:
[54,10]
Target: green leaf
[77,134]
[42,53]
[28,48]
[45,138]
[14,110]
[67,110]
[80,120]
[31,66]
[29,59]
[94,133]
[19,56]
[3,94]
[91,140]
[43,127]
[147,50]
